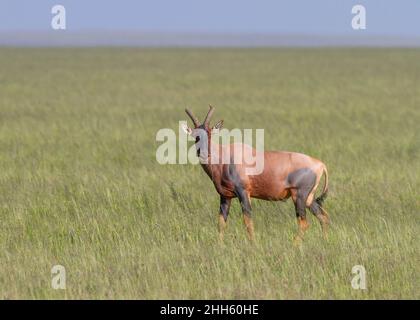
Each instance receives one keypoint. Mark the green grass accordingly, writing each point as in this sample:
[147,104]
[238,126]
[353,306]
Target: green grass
[80,185]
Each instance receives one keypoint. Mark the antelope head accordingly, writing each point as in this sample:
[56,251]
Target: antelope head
[202,132]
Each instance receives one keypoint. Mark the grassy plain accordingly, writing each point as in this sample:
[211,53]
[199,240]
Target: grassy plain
[80,185]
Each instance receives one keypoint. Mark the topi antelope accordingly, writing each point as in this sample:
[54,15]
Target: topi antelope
[284,174]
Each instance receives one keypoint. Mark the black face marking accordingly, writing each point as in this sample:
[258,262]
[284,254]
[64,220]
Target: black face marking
[303,180]
[224,207]
[201,139]
[239,190]
[197,140]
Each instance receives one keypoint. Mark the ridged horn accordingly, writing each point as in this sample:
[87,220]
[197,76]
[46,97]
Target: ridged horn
[193,118]
[208,116]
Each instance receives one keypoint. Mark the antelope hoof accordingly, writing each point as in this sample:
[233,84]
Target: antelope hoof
[297,241]
[221,237]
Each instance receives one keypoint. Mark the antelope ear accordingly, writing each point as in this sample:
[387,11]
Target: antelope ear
[217,126]
[186,129]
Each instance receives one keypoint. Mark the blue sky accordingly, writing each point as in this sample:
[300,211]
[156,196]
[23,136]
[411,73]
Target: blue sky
[321,17]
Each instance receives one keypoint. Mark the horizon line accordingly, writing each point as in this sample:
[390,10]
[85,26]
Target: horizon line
[121,38]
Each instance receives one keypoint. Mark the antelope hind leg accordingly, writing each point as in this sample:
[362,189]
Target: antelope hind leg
[322,217]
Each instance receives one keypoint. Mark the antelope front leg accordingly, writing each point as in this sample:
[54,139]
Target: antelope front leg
[249,226]
[245,200]
[223,215]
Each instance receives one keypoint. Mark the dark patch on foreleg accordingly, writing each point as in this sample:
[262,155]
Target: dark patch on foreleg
[239,190]
[224,207]
[246,210]
[223,214]
[244,199]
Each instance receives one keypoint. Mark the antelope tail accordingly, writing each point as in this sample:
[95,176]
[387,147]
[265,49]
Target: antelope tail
[323,196]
